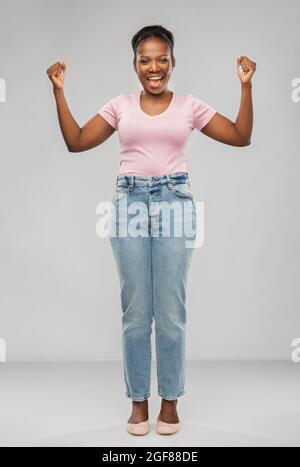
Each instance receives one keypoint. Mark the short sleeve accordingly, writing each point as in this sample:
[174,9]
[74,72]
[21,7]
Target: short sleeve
[111,111]
[201,112]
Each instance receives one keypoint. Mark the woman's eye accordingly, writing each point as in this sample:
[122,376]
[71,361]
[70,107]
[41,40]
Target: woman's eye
[162,60]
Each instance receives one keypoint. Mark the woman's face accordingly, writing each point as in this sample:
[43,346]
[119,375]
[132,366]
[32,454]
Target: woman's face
[153,58]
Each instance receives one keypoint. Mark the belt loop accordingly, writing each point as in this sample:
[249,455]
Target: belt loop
[130,182]
[169,183]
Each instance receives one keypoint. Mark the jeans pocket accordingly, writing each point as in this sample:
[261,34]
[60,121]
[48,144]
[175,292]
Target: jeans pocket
[183,190]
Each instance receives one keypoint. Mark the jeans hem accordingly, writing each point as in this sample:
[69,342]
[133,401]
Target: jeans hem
[171,398]
[138,398]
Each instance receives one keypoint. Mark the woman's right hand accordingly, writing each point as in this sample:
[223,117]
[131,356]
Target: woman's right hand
[56,74]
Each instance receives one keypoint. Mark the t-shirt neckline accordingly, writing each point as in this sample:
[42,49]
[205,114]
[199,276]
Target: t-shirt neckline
[138,95]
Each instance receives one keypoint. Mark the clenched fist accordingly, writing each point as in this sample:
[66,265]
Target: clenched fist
[56,74]
[245,68]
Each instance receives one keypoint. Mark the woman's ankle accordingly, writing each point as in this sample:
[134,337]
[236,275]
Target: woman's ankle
[141,403]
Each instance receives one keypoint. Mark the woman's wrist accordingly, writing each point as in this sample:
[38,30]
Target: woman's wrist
[246,85]
[58,91]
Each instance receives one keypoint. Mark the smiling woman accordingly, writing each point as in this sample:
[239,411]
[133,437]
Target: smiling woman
[154,125]
[153,57]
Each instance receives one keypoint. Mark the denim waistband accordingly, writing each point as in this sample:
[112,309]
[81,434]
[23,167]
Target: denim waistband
[150,180]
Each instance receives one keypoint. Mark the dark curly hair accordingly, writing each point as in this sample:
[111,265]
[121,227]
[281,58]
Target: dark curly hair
[154,30]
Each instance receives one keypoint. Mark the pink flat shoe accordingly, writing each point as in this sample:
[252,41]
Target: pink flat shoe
[141,428]
[164,428]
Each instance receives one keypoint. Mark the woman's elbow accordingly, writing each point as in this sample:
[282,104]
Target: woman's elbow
[73,148]
[243,142]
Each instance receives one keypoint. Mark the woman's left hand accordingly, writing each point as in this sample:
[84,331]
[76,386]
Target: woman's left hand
[245,68]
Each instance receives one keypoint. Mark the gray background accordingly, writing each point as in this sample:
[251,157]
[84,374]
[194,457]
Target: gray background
[59,284]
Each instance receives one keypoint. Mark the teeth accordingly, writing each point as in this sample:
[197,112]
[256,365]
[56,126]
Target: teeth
[158,77]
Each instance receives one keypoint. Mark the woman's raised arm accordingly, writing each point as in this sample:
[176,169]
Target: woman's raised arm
[77,139]
[236,133]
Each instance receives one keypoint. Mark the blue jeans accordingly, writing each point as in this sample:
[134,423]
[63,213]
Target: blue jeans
[152,265]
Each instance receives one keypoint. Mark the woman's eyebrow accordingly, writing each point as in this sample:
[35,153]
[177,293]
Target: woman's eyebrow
[163,55]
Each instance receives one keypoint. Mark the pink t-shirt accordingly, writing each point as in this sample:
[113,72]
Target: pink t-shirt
[155,145]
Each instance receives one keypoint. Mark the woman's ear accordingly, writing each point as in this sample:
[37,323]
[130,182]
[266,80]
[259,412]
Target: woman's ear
[134,66]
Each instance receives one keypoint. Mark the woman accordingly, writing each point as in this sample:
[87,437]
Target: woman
[154,126]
